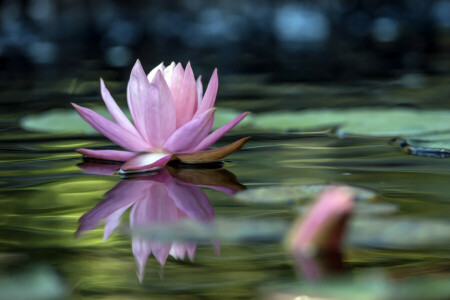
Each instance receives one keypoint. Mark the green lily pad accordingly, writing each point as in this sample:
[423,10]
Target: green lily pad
[293,194]
[361,121]
[364,231]
[398,233]
[434,140]
[370,285]
[60,121]
[223,229]
[68,121]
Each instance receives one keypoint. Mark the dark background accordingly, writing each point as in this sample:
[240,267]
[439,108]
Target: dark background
[326,40]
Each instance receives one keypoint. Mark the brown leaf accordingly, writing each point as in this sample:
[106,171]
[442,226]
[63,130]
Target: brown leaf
[213,154]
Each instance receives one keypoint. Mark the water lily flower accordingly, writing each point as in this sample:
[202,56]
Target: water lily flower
[315,239]
[158,200]
[321,230]
[172,119]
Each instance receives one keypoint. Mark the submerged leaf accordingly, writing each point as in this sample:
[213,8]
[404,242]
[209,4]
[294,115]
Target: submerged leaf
[294,194]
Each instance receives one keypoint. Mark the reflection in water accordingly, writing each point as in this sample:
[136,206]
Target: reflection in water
[160,198]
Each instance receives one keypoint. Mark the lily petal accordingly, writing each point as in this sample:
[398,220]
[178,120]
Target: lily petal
[152,73]
[186,102]
[322,228]
[112,221]
[173,75]
[192,200]
[137,94]
[218,133]
[191,133]
[107,154]
[213,154]
[199,90]
[112,131]
[122,195]
[99,168]
[179,250]
[146,161]
[156,208]
[116,113]
[210,95]
[160,107]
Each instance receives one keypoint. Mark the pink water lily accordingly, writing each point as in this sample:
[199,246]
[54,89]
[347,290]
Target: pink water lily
[172,119]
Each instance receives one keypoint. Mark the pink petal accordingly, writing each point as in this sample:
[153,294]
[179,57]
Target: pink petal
[112,221]
[218,133]
[161,251]
[191,200]
[124,194]
[190,247]
[141,251]
[112,131]
[186,102]
[99,168]
[199,90]
[160,110]
[152,73]
[179,250]
[146,161]
[107,154]
[322,227]
[210,95]
[115,111]
[173,75]
[155,208]
[190,134]
[137,94]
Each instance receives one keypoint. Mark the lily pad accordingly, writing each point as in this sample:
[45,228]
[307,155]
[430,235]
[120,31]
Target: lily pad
[364,232]
[370,285]
[68,121]
[293,194]
[59,121]
[361,121]
[223,229]
[398,233]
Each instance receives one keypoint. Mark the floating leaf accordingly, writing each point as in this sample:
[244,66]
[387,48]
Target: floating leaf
[293,194]
[38,282]
[361,121]
[398,233]
[225,230]
[367,286]
[364,232]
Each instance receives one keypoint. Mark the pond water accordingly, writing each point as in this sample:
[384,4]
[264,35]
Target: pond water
[396,246]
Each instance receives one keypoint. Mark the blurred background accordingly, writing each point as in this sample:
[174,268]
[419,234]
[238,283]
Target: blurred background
[325,40]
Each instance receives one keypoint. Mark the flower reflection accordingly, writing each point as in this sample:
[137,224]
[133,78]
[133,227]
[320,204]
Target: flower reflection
[157,199]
